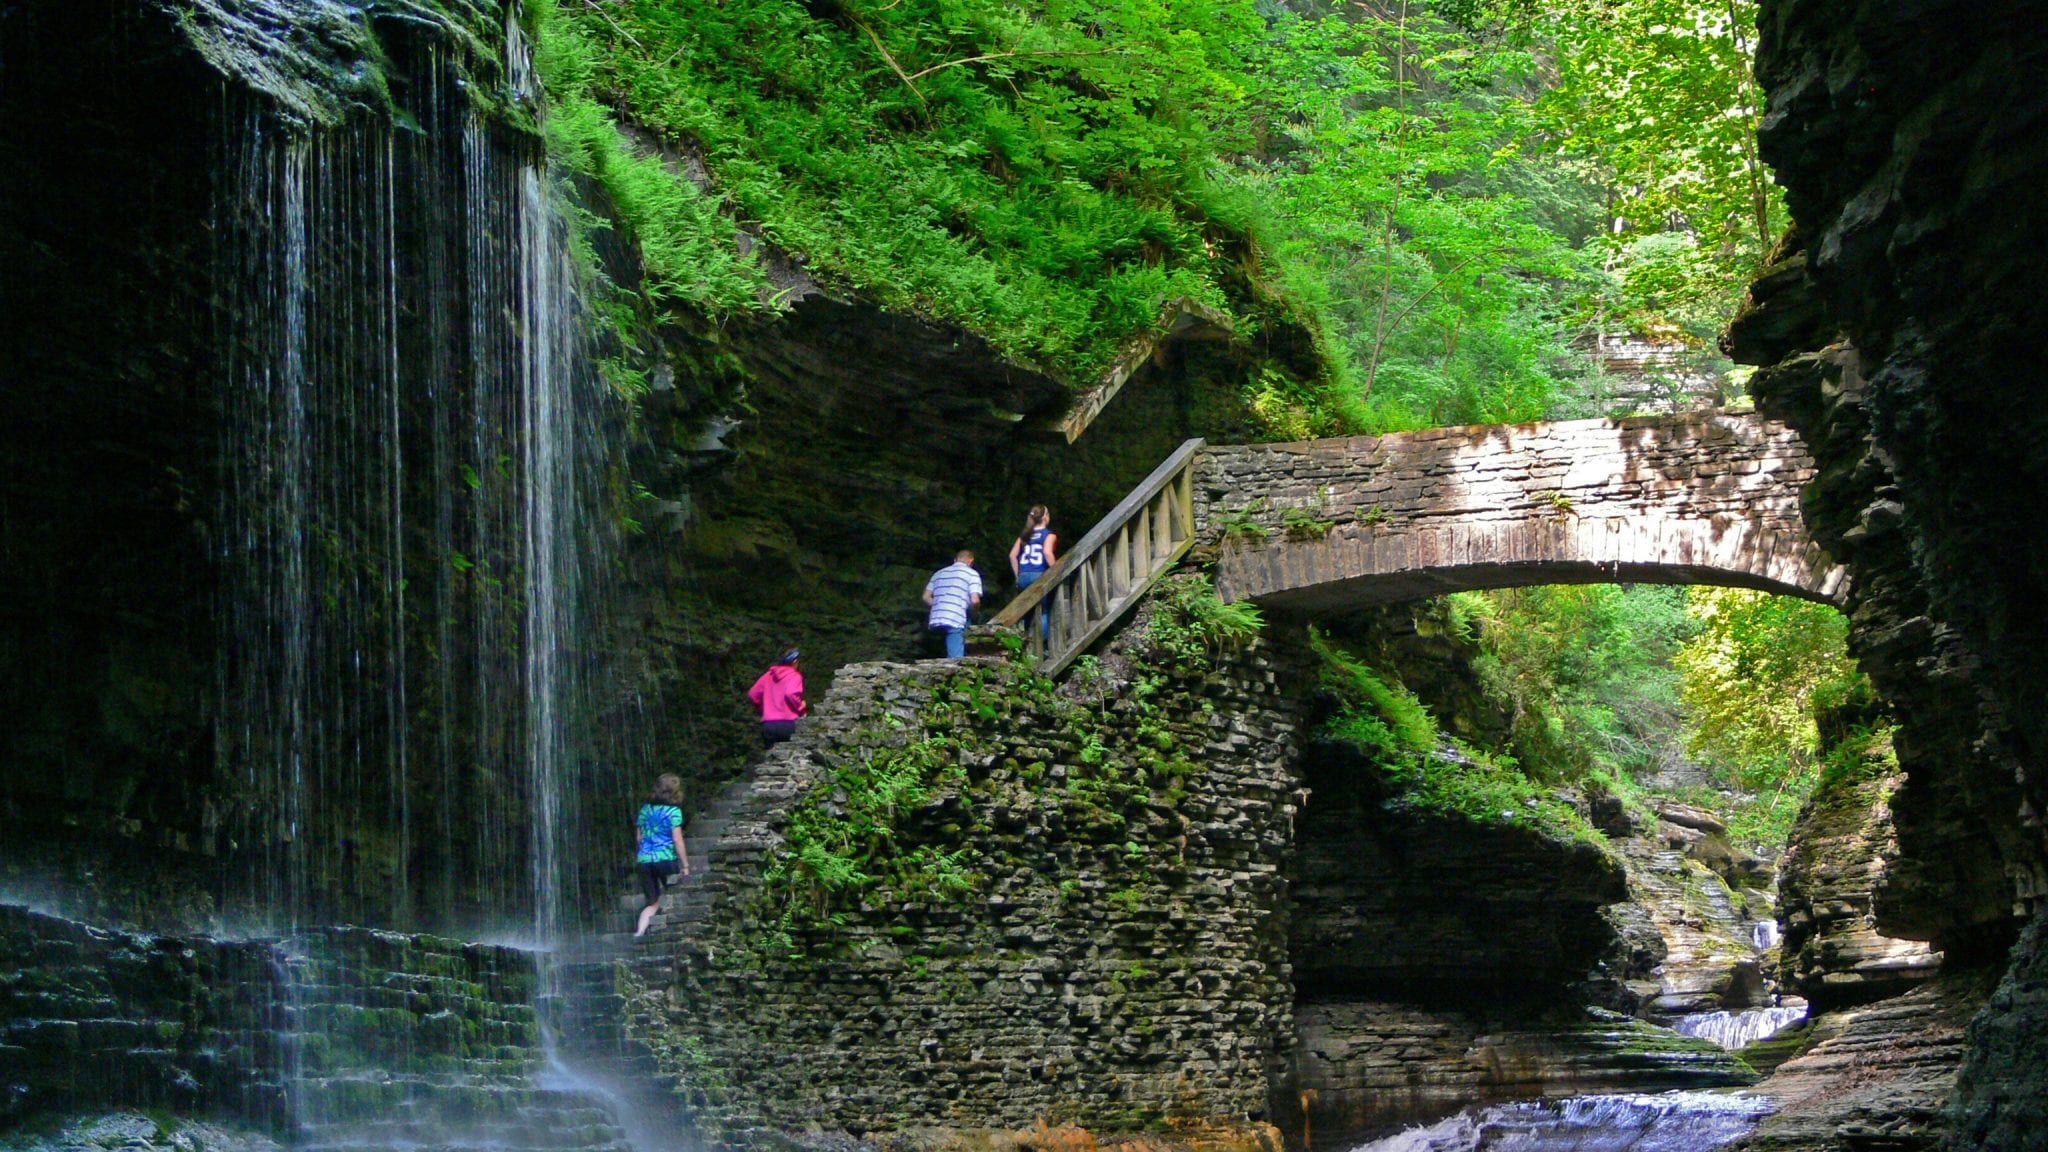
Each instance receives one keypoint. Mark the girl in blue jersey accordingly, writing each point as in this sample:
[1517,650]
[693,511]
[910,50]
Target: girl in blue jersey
[660,831]
[1036,548]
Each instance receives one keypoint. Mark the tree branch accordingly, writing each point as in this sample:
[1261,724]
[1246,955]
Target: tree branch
[908,81]
[918,75]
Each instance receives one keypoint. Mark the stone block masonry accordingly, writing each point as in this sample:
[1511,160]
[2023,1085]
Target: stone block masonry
[1708,498]
[1118,961]
[90,1018]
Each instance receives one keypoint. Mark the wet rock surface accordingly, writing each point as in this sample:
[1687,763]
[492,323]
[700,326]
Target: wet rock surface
[1878,1076]
[339,1037]
[134,1132]
[1361,1065]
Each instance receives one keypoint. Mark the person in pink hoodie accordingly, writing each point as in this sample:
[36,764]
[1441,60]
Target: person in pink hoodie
[779,693]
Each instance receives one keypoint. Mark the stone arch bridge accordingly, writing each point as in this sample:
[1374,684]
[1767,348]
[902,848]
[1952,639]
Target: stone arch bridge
[1328,525]
[1704,498]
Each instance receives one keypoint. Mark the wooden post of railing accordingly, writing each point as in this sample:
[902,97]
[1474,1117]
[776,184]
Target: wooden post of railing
[1097,580]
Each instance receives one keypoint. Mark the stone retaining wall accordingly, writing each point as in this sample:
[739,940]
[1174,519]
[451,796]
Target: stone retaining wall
[1119,964]
[341,1035]
[97,1018]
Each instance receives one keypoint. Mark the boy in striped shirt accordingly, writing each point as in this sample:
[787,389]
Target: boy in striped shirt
[952,592]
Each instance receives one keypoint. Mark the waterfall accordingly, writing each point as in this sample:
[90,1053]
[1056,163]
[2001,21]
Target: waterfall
[417,527]
[1738,1030]
[1765,935]
[1666,1122]
[419,539]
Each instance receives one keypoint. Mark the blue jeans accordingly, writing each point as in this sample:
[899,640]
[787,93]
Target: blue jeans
[956,642]
[1026,580]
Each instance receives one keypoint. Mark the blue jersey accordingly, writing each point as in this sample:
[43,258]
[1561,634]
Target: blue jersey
[1031,557]
[658,823]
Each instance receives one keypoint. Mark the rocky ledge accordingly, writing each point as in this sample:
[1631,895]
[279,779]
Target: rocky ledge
[1873,1077]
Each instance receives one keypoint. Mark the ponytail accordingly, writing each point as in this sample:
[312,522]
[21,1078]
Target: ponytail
[1036,518]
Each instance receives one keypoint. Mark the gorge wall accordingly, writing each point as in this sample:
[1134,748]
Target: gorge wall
[1903,333]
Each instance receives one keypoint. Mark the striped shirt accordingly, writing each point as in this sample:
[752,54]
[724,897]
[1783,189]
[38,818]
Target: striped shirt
[952,589]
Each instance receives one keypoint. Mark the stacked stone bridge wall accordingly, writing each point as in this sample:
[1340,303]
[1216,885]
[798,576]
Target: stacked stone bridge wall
[1705,498]
[1120,962]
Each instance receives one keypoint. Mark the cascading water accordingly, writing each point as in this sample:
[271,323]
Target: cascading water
[1738,1030]
[1667,1122]
[418,537]
[419,455]
[1765,935]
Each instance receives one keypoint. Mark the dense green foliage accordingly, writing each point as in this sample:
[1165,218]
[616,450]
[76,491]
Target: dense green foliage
[1046,176]
[1585,671]
[1452,196]
[1378,717]
[1752,679]
[1710,693]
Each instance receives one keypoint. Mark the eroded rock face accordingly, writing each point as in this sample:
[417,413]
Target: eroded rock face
[1911,145]
[1432,908]
[1709,961]
[1874,1077]
[1903,334]
[1836,860]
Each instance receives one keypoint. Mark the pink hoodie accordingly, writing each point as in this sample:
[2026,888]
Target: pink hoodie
[780,693]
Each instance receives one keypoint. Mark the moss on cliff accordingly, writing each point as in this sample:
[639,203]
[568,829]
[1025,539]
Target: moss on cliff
[1042,180]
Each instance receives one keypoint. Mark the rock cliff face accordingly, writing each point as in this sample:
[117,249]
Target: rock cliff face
[1840,849]
[1877,1076]
[1904,333]
[1369,914]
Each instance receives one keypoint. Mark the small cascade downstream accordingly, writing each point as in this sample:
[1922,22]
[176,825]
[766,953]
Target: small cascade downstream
[1738,1030]
[1666,1122]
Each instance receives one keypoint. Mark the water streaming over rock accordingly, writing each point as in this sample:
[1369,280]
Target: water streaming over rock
[1666,1122]
[420,531]
[1737,1030]
[419,527]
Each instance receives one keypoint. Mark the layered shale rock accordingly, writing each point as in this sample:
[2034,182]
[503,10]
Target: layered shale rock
[1878,1076]
[1363,1064]
[1902,332]
[1837,858]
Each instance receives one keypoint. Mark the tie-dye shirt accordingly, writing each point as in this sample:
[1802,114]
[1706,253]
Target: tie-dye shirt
[658,823]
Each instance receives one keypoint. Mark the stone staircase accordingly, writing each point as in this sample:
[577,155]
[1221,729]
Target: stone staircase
[597,988]
[687,901]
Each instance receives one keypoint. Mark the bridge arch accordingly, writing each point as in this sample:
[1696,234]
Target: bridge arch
[1327,525]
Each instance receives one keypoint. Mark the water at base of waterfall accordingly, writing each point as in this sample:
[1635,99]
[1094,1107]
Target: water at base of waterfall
[1663,1122]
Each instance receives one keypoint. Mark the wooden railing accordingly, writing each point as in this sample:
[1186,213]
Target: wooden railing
[1097,580]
